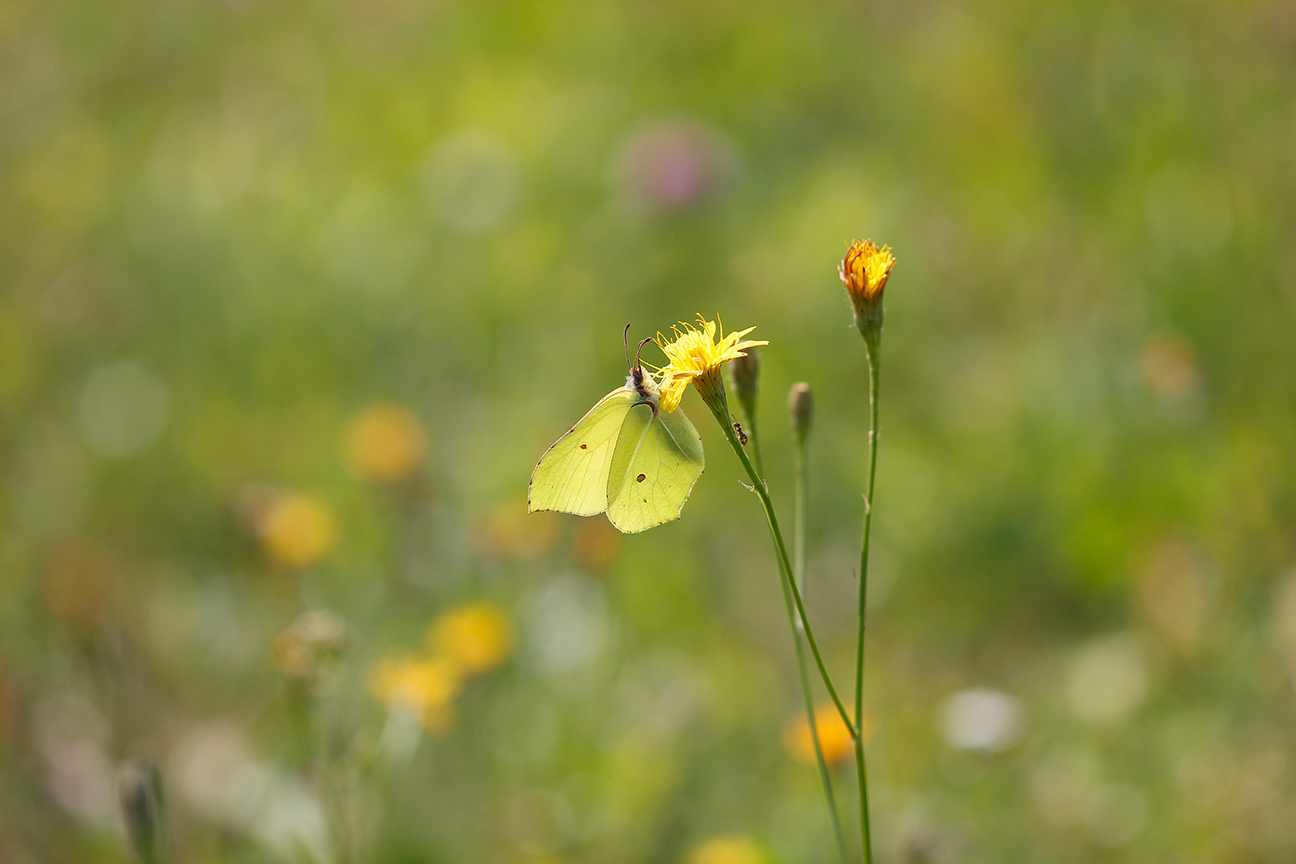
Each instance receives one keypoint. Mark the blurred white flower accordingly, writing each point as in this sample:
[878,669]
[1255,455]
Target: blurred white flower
[291,819]
[658,695]
[982,719]
[1108,679]
[70,732]
[215,774]
[567,624]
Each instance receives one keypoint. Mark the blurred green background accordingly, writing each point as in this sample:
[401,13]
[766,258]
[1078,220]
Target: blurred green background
[294,295]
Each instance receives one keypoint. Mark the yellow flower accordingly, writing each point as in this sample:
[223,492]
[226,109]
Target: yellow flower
[477,636]
[424,685]
[385,442]
[864,272]
[695,356]
[725,850]
[834,738]
[297,530]
[865,269]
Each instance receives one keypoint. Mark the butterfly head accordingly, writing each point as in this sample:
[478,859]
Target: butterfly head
[639,380]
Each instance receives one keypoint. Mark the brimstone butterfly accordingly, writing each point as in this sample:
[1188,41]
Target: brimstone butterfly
[627,457]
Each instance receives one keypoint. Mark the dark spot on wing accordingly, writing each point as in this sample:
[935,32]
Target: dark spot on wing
[582,446]
[640,478]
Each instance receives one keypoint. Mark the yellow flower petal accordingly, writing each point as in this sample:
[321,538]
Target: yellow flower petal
[694,353]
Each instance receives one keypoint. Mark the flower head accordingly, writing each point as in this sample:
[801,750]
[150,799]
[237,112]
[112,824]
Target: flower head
[309,649]
[801,410]
[385,443]
[864,272]
[425,686]
[297,530]
[695,356]
[726,850]
[835,740]
[479,636]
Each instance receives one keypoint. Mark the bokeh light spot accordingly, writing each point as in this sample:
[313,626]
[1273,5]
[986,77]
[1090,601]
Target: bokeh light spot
[124,409]
[297,530]
[385,443]
[982,719]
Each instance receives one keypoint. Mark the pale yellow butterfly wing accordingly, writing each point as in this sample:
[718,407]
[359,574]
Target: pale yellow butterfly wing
[572,475]
[656,462]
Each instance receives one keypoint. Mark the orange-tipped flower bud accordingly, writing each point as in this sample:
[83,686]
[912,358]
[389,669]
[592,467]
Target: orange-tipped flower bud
[864,272]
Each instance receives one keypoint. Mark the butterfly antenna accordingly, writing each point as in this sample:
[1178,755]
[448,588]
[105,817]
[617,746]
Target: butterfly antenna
[639,350]
[625,340]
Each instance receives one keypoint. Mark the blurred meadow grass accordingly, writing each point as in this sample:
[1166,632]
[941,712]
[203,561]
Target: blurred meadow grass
[294,295]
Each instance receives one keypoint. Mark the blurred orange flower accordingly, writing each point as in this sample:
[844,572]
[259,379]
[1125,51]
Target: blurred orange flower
[385,442]
[81,581]
[477,636]
[834,737]
[1168,365]
[725,850]
[510,531]
[424,685]
[596,543]
[297,530]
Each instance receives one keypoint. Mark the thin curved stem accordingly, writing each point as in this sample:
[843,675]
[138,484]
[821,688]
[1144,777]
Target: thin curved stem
[860,766]
[799,562]
[785,565]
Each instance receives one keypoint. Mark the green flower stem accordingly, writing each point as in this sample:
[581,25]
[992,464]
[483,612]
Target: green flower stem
[799,560]
[803,672]
[754,440]
[721,413]
[860,768]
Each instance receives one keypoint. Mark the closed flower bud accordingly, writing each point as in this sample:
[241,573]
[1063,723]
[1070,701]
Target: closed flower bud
[745,372]
[864,272]
[801,410]
[140,791]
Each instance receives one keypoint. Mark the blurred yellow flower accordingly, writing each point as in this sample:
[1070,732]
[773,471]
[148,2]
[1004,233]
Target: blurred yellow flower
[725,850]
[297,530]
[477,636]
[695,356]
[424,685]
[385,442]
[834,738]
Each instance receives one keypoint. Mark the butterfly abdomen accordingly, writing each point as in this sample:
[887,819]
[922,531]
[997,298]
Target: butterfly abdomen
[644,385]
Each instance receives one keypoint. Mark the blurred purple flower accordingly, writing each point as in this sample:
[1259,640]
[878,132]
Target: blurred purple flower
[673,165]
